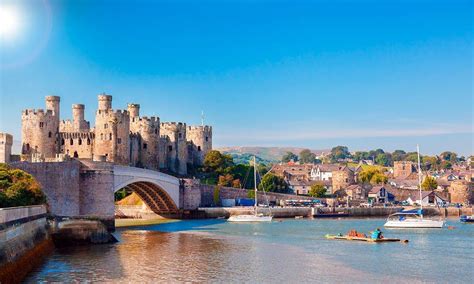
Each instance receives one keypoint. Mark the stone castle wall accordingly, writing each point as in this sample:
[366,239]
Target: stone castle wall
[6,142]
[342,178]
[119,136]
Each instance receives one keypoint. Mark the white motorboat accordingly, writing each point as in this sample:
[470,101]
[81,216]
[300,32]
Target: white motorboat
[413,218]
[256,217]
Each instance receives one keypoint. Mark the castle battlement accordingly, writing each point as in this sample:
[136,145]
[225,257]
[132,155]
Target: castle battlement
[205,128]
[37,112]
[108,112]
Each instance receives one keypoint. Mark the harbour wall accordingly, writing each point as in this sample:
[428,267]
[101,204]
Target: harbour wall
[24,241]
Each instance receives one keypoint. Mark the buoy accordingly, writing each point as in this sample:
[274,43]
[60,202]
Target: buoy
[405,241]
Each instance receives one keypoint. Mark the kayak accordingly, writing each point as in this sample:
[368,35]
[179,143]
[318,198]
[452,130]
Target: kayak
[369,240]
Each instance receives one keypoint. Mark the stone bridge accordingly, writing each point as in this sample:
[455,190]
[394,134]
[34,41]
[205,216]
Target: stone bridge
[83,188]
[161,192]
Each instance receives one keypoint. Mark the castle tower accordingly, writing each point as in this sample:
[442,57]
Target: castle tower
[176,149]
[40,129]
[403,169]
[112,132]
[134,110]
[105,102]
[200,138]
[145,151]
[78,121]
[6,142]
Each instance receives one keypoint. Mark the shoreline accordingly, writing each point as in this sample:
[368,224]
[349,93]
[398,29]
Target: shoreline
[130,222]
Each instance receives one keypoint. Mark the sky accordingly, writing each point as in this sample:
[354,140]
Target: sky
[316,74]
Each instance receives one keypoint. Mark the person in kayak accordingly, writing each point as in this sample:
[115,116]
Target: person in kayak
[377,234]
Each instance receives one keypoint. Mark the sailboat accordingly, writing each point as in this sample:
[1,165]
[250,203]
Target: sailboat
[256,217]
[413,218]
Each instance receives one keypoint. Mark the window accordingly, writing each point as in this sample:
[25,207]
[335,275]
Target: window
[105,126]
[180,135]
[119,140]
[62,141]
[27,147]
[88,141]
[170,148]
[156,130]
[50,134]
[110,136]
[144,145]
[80,141]
[71,142]
[102,136]
[199,148]
[41,124]
[207,139]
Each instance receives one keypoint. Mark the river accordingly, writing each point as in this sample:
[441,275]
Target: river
[285,250]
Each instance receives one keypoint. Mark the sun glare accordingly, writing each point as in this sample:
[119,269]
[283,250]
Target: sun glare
[9,22]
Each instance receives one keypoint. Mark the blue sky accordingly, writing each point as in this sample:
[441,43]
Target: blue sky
[366,74]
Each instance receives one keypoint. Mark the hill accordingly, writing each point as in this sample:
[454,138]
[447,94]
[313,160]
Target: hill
[266,154]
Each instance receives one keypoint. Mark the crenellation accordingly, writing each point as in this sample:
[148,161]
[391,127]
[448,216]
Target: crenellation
[119,135]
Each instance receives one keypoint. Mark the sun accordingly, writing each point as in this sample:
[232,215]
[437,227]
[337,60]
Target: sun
[10,22]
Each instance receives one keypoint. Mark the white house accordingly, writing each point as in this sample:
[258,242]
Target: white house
[428,198]
[323,172]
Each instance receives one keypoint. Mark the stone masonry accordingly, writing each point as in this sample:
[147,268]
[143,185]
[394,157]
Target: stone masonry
[119,136]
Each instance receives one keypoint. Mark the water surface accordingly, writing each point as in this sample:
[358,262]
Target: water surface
[282,251]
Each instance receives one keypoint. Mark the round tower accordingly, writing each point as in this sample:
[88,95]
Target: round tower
[52,103]
[112,132]
[134,110]
[200,138]
[78,121]
[39,130]
[105,102]
[147,129]
[177,150]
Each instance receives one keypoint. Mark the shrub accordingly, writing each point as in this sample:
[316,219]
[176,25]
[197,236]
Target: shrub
[18,188]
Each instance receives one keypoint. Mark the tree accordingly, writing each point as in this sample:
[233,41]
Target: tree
[307,157]
[288,157]
[373,176]
[18,188]
[384,159]
[359,156]
[412,156]
[225,180]
[446,165]
[340,153]
[449,156]
[429,183]
[217,163]
[398,155]
[273,183]
[430,162]
[216,195]
[317,190]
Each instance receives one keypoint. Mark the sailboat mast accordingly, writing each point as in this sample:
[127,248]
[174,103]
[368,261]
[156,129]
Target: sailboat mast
[419,178]
[255,181]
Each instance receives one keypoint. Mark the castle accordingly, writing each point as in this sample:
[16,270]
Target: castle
[119,136]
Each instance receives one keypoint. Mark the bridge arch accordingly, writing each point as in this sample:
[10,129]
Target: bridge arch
[159,191]
[156,198]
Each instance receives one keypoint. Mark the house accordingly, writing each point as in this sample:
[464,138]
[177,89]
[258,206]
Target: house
[411,184]
[379,194]
[356,192]
[323,172]
[300,186]
[428,198]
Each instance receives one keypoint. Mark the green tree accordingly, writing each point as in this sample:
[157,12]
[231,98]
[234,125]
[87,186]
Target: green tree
[412,156]
[306,156]
[449,156]
[430,162]
[288,157]
[317,190]
[340,153]
[359,156]
[384,159]
[398,155]
[429,183]
[273,183]
[216,195]
[446,165]
[218,163]
[251,193]
[18,188]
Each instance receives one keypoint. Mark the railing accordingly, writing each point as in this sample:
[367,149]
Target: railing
[11,214]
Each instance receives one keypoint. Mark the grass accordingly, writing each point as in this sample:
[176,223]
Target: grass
[119,223]
[366,167]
